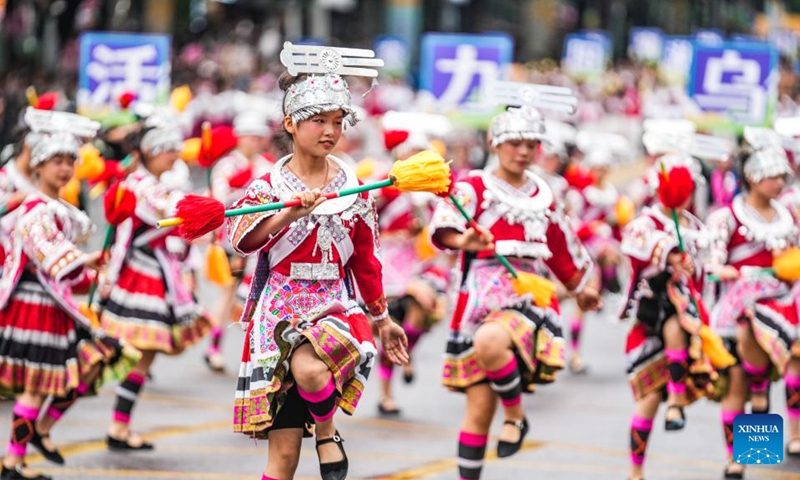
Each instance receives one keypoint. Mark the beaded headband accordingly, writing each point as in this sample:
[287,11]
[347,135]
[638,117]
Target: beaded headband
[324,89]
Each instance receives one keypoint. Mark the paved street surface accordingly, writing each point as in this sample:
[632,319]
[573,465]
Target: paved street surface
[579,427]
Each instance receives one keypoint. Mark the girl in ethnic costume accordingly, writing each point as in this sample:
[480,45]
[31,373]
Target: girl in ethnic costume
[47,347]
[309,346]
[149,305]
[757,314]
[413,285]
[502,344]
[661,364]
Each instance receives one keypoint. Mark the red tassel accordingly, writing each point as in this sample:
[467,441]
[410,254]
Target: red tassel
[126,99]
[47,101]
[675,188]
[393,138]
[578,178]
[112,172]
[241,178]
[200,215]
[216,145]
[118,212]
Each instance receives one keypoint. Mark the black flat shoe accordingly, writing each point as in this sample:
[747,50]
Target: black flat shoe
[214,364]
[677,424]
[16,474]
[334,470]
[118,445]
[408,378]
[733,475]
[51,455]
[506,449]
[390,412]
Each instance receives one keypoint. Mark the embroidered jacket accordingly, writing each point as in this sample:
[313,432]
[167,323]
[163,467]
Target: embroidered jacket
[649,239]
[339,240]
[528,222]
[742,238]
[43,241]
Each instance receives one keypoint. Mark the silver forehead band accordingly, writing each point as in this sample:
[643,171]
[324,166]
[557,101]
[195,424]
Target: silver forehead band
[767,162]
[324,89]
[159,140]
[517,124]
[317,94]
[48,145]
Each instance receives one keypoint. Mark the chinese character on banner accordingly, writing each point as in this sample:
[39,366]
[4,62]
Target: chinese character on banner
[676,60]
[586,54]
[645,44]
[735,82]
[113,63]
[454,67]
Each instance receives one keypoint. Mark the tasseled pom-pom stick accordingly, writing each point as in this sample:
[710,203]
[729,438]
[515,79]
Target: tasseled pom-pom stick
[424,172]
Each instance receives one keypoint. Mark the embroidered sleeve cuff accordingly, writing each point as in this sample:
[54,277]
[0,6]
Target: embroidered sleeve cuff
[378,309]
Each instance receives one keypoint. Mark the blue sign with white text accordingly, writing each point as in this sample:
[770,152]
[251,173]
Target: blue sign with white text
[114,63]
[737,80]
[758,439]
[586,54]
[645,44]
[454,67]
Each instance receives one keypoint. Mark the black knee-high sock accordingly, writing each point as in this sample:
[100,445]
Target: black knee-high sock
[321,404]
[22,428]
[471,450]
[60,405]
[640,432]
[127,393]
[506,382]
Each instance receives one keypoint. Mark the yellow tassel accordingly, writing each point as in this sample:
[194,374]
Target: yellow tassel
[624,211]
[423,246]
[71,192]
[218,269]
[87,312]
[787,265]
[191,149]
[365,168]
[541,288]
[426,171]
[91,165]
[30,93]
[180,97]
[714,349]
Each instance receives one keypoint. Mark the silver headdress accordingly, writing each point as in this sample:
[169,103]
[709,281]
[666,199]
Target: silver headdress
[663,136]
[162,139]
[769,158]
[516,124]
[57,133]
[324,90]
[523,120]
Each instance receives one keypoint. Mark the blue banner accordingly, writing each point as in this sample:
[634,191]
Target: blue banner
[736,81]
[113,63]
[454,67]
[676,59]
[586,54]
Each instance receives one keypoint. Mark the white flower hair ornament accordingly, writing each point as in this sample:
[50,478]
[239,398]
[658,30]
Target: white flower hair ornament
[323,89]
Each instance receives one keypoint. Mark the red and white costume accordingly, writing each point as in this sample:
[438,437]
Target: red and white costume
[529,226]
[304,289]
[150,306]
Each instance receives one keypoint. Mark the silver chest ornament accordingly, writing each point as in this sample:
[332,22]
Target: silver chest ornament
[532,212]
